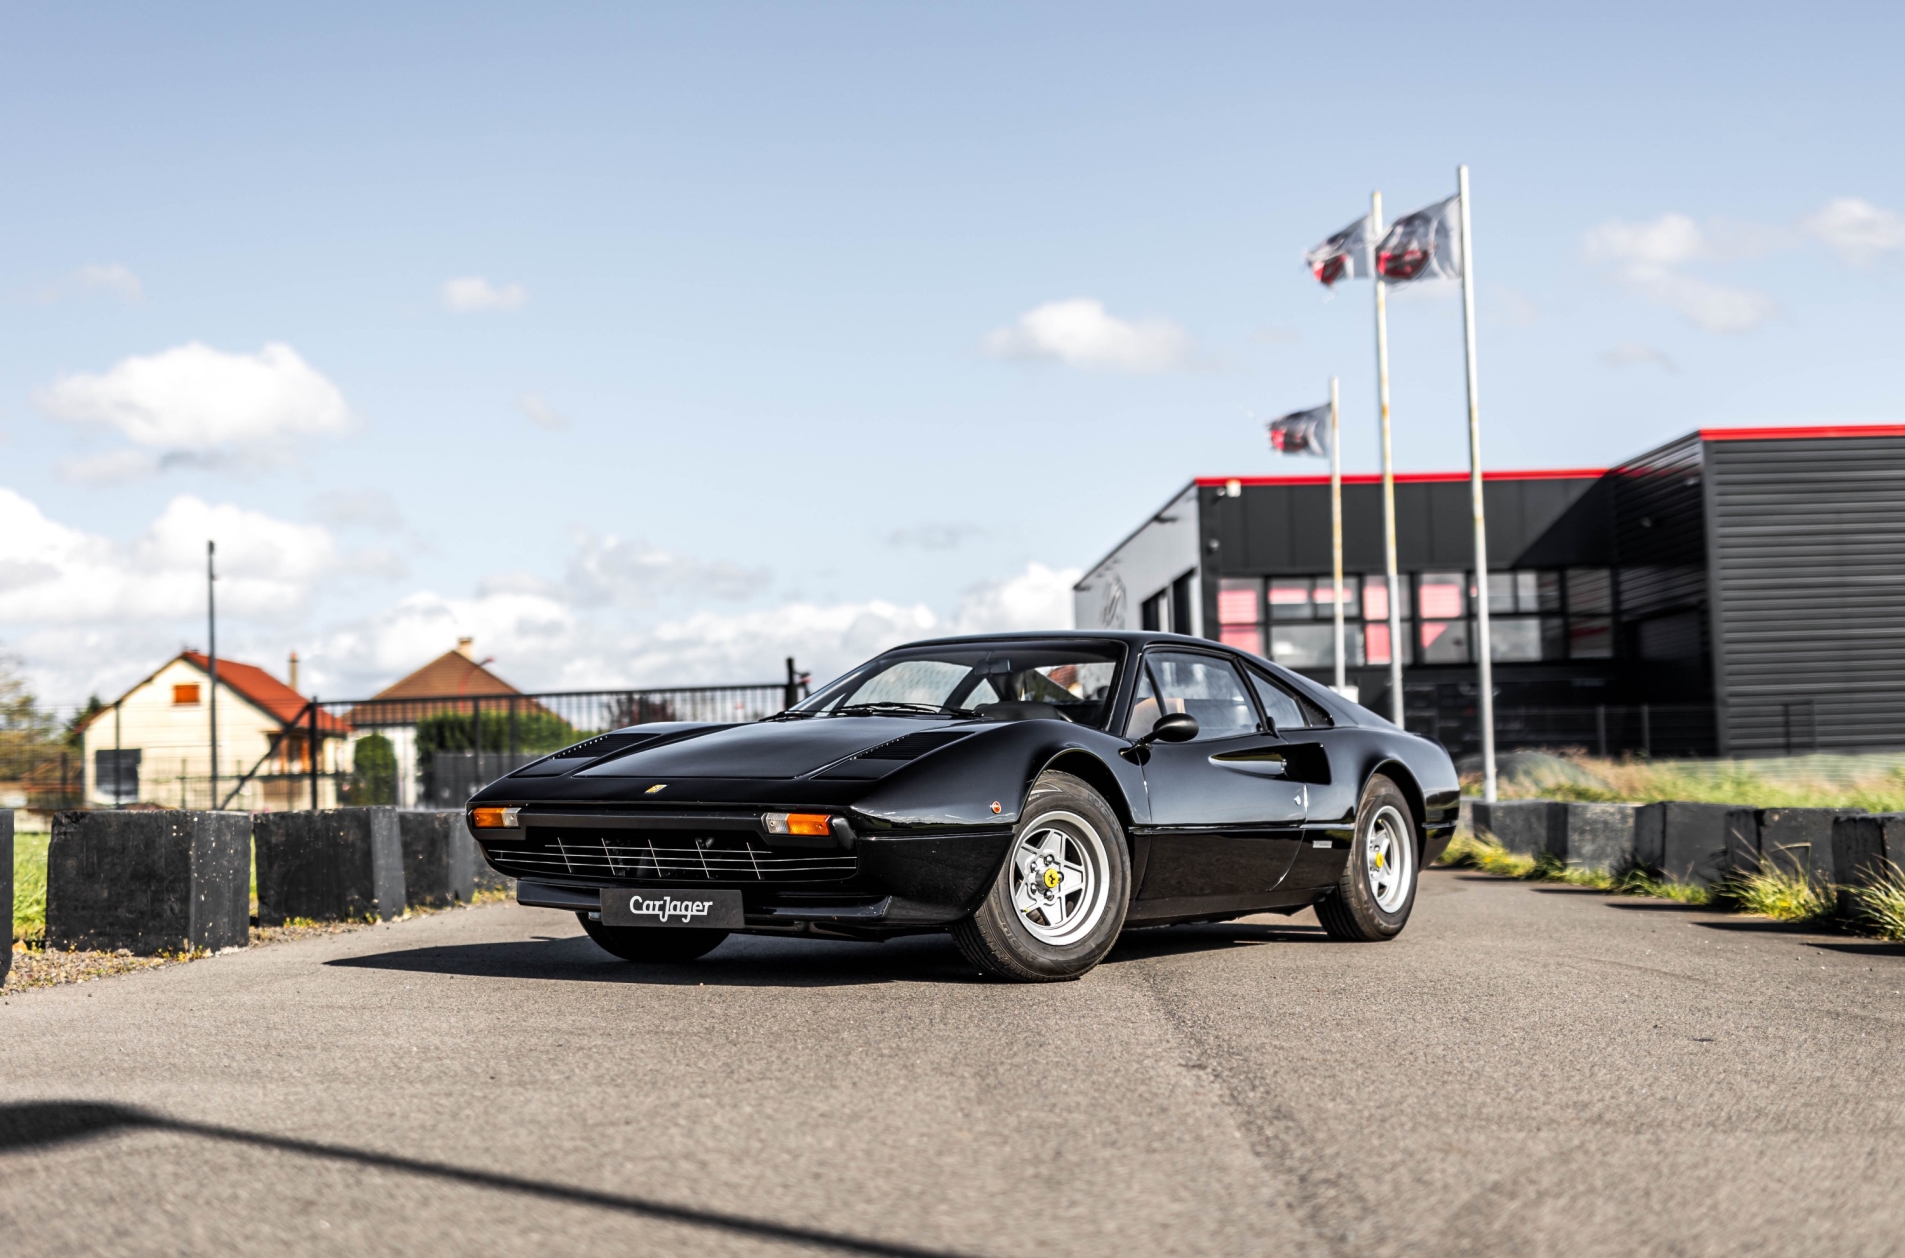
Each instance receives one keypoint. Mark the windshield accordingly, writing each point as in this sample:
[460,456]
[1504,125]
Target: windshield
[997,680]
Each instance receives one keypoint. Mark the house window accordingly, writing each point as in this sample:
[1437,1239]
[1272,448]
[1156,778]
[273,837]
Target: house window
[1290,598]
[185,693]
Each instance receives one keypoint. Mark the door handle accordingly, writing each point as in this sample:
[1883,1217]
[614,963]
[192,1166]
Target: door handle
[1269,764]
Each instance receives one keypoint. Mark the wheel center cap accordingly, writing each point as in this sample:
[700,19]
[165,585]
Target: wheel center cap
[1052,878]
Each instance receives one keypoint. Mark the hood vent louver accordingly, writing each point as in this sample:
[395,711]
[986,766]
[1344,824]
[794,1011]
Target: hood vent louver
[600,745]
[913,746]
[571,758]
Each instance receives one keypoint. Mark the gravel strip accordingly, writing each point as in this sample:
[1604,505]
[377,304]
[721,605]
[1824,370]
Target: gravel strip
[48,967]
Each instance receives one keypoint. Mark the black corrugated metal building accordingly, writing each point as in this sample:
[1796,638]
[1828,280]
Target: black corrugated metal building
[1736,592]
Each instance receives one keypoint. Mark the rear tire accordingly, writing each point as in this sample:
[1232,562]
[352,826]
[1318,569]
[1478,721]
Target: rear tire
[1373,898]
[1060,897]
[653,945]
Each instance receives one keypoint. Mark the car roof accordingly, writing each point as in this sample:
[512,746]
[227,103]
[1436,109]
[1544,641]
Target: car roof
[1136,636]
[1316,692]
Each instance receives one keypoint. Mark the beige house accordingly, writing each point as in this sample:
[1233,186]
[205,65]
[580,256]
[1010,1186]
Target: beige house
[153,746]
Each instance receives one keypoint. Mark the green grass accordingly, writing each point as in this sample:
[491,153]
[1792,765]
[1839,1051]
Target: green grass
[1878,789]
[29,885]
[1779,894]
[1880,908]
[1467,851]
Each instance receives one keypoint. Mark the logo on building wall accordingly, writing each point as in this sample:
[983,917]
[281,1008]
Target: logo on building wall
[1111,613]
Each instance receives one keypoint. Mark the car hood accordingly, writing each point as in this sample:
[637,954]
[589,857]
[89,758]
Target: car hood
[770,749]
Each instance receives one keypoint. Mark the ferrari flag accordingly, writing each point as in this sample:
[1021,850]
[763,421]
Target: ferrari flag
[1302,432]
[1426,245]
[1344,256]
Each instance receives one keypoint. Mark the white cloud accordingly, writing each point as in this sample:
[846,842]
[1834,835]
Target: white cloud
[1705,304]
[1081,333]
[1856,230]
[112,278]
[1038,598]
[197,399]
[541,414]
[1629,354]
[1647,259]
[609,571]
[65,576]
[470,294]
[543,641]
[1670,240]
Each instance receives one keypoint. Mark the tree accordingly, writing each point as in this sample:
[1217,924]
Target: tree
[373,777]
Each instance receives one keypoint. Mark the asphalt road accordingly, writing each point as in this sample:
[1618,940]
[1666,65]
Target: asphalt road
[1527,1070]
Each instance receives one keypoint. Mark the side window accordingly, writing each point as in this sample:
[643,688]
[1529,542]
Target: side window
[1285,710]
[1209,689]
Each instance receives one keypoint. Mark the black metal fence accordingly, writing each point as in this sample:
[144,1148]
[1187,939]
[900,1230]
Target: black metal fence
[1653,731]
[435,751]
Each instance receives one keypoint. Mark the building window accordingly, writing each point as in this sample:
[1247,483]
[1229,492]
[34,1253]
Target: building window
[1590,638]
[1290,598]
[185,693]
[1240,614]
[1590,592]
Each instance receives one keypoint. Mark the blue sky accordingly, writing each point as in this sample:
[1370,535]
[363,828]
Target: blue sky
[748,375]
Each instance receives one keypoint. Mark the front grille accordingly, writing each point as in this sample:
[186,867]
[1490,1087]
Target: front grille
[666,856]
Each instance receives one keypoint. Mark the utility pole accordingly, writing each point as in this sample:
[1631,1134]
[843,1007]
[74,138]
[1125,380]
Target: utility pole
[211,654]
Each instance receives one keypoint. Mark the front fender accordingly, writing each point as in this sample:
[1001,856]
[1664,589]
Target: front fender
[983,781]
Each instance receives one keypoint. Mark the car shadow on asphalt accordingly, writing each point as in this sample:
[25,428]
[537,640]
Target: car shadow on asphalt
[1144,942]
[740,961]
[29,1127]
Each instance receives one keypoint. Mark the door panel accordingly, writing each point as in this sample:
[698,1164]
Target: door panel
[1227,819]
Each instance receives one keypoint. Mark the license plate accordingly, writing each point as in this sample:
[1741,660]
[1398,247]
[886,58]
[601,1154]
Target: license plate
[672,908]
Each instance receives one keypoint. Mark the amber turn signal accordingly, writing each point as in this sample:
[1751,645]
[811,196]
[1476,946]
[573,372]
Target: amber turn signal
[494,818]
[813,823]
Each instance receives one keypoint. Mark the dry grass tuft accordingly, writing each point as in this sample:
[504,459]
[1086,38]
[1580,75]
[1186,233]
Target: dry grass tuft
[1879,909]
[1779,894]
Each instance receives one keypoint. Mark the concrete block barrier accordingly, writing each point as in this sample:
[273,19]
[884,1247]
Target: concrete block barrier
[438,859]
[1799,841]
[1867,846]
[149,882]
[1600,836]
[330,865]
[1703,843]
[1526,826]
[6,889]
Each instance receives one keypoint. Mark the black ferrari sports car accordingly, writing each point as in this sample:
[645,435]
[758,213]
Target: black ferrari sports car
[1034,794]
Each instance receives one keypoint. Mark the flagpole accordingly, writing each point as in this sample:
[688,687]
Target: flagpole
[1483,654]
[1336,532]
[1388,472]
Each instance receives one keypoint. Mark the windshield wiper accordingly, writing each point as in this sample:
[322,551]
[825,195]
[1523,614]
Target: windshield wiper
[790,714]
[903,709]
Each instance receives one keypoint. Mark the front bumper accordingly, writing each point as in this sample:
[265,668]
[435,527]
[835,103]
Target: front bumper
[882,884]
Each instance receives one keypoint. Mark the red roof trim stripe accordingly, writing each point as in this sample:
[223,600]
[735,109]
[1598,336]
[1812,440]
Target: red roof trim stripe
[1794,434]
[1412,478]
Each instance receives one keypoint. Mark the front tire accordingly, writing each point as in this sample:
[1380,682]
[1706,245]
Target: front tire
[652,944]
[1373,898]
[1059,900]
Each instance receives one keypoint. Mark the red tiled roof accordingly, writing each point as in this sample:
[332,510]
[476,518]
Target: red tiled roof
[264,690]
[452,673]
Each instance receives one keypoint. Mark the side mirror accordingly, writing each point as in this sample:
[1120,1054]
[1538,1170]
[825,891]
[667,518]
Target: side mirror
[1172,727]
